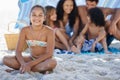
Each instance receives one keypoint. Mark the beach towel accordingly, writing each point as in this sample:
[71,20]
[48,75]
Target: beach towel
[88,45]
[111,49]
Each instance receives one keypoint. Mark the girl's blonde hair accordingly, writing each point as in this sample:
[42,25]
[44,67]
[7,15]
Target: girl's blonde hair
[49,11]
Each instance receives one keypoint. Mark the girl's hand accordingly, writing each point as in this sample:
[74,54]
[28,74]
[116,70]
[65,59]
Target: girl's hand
[80,40]
[26,67]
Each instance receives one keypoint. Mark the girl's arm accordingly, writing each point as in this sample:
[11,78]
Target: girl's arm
[101,35]
[61,25]
[81,38]
[20,44]
[84,30]
[75,31]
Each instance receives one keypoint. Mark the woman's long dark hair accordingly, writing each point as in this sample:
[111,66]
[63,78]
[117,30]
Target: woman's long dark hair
[72,15]
[96,16]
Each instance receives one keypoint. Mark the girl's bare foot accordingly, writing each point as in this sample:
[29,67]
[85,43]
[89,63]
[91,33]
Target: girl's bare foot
[107,52]
[75,50]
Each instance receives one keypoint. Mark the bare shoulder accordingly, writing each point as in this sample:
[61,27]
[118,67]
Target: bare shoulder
[25,29]
[48,29]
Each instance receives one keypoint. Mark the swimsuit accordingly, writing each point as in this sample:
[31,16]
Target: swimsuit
[69,30]
[36,43]
[88,45]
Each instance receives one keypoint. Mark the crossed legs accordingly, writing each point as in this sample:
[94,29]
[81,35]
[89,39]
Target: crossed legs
[47,65]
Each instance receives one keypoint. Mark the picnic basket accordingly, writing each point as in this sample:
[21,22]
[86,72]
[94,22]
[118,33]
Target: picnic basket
[12,37]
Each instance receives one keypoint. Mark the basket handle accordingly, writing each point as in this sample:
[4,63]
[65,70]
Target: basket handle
[23,22]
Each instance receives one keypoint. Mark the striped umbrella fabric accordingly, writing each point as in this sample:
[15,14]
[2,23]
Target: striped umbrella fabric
[26,5]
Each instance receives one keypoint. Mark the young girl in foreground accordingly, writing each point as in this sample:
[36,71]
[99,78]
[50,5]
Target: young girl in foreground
[51,17]
[41,41]
[93,33]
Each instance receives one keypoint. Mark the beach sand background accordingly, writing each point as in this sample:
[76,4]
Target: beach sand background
[70,67]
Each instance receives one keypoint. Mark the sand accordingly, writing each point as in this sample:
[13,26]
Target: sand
[71,67]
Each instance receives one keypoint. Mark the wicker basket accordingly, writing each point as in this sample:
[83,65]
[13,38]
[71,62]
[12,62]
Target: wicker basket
[12,38]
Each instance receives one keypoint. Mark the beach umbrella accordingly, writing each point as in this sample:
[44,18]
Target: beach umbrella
[26,5]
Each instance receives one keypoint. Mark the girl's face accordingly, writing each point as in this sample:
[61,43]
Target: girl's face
[53,16]
[68,6]
[37,16]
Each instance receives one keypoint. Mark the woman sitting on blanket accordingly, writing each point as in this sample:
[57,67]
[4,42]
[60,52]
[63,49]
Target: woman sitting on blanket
[51,17]
[67,16]
[95,32]
[40,39]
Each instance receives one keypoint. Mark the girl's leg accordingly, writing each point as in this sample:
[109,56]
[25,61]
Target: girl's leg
[44,66]
[12,62]
[62,39]
[104,44]
[59,45]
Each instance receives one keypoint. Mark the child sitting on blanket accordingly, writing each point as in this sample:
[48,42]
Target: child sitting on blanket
[51,18]
[93,36]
